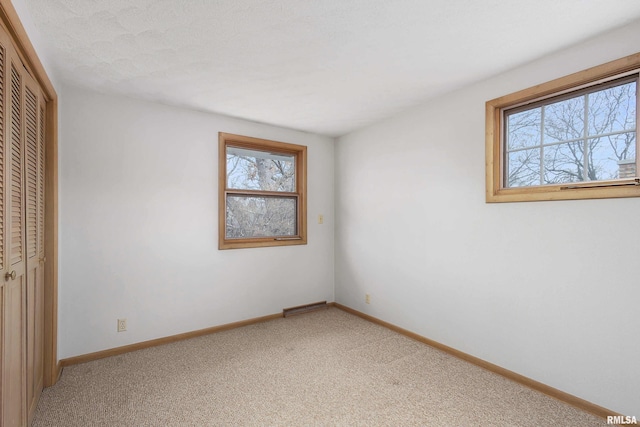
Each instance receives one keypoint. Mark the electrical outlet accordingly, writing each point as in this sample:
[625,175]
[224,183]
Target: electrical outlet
[320,219]
[367,298]
[122,325]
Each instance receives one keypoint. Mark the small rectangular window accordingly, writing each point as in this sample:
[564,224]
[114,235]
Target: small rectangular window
[572,138]
[589,136]
[262,193]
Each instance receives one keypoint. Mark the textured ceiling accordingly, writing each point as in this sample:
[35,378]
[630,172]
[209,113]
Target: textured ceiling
[322,66]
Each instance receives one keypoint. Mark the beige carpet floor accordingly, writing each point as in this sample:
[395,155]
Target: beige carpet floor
[322,368]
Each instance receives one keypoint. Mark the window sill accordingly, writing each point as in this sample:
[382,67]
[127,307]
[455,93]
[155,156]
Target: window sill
[260,243]
[569,191]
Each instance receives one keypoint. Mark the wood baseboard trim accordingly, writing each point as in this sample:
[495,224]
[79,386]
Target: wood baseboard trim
[302,309]
[58,372]
[160,341]
[570,399]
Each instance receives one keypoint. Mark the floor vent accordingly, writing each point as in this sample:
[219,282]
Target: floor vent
[304,308]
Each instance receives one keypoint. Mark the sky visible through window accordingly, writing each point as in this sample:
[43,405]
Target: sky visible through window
[256,215]
[590,137]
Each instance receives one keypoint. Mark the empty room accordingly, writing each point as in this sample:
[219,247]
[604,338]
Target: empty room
[354,212]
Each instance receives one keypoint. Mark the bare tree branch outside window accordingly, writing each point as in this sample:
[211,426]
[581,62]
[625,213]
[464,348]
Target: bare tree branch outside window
[583,138]
[258,215]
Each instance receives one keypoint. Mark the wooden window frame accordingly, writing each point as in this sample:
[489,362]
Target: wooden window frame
[299,152]
[494,143]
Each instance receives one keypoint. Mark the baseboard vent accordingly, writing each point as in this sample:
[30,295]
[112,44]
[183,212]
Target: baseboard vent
[304,308]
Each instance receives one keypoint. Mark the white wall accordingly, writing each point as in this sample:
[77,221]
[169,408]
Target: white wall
[138,232]
[547,289]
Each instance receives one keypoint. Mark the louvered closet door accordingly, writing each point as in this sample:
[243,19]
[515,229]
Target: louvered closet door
[34,215]
[37,338]
[14,405]
[4,380]
[22,169]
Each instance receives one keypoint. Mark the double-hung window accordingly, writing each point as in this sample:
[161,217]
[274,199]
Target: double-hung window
[262,192]
[572,138]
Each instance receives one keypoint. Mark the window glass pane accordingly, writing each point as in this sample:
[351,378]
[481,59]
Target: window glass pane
[524,168]
[613,157]
[523,129]
[564,163]
[564,120]
[613,109]
[251,216]
[260,170]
